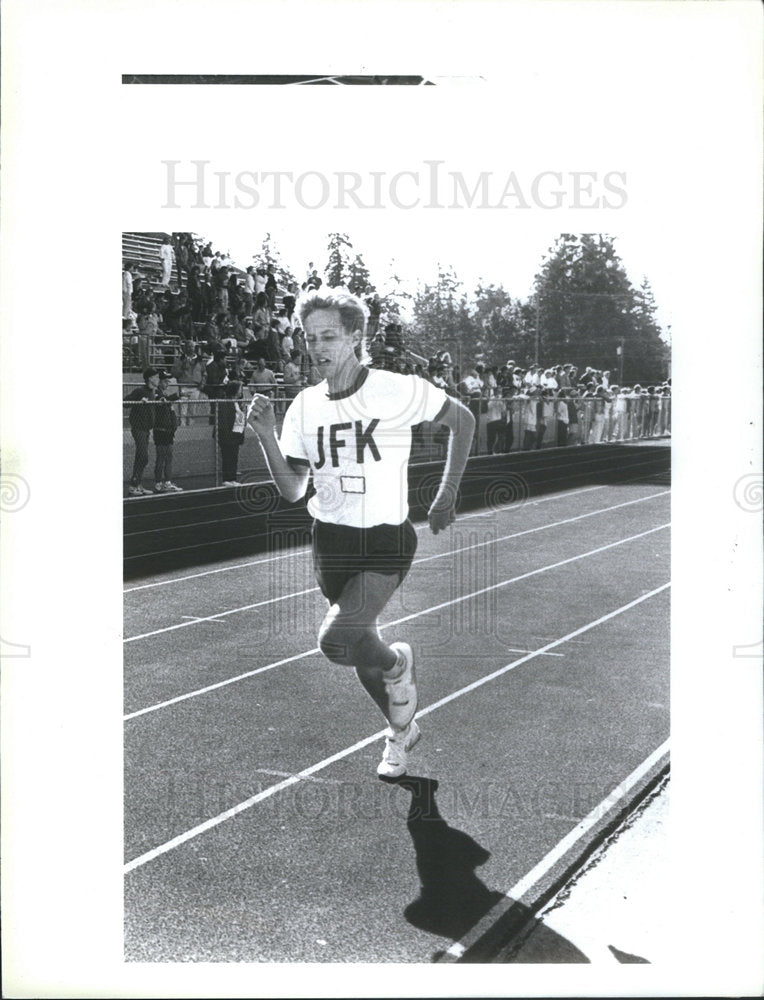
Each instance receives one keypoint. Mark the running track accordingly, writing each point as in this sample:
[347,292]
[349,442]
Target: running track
[255,826]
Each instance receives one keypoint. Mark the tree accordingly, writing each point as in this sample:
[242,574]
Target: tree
[359,282]
[269,256]
[646,354]
[338,269]
[395,299]
[442,319]
[587,308]
[504,327]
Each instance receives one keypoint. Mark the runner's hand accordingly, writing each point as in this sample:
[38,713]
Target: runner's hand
[260,415]
[442,513]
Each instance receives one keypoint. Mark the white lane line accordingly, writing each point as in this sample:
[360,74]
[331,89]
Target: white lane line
[303,550]
[290,774]
[423,559]
[280,786]
[528,881]
[220,614]
[397,621]
[510,649]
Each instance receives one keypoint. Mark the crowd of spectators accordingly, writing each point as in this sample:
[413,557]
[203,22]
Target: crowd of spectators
[225,336]
[571,406]
[215,308]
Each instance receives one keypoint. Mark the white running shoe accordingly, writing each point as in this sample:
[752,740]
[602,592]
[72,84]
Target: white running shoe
[401,692]
[172,488]
[139,491]
[397,746]
[231,482]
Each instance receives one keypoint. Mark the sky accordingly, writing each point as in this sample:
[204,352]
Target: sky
[469,247]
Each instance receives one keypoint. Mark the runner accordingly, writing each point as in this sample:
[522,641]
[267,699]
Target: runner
[352,432]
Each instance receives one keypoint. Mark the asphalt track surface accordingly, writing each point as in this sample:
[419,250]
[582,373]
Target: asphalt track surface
[256,828]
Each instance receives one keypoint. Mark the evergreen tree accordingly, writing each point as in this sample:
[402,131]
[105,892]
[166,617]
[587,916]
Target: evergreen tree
[587,308]
[269,256]
[359,282]
[395,300]
[337,272]
[645,353]
[442,319]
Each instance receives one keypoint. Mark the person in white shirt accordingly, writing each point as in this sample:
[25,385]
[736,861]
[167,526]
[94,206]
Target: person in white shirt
[352,434]
[165,256]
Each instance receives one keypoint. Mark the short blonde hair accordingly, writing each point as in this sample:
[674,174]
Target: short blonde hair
[352,312]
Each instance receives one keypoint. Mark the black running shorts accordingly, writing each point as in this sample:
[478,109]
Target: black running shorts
[341,552]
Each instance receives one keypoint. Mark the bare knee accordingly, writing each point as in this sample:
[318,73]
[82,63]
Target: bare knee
[348,645]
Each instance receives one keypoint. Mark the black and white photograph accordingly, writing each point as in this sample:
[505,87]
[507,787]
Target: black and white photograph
[387,598]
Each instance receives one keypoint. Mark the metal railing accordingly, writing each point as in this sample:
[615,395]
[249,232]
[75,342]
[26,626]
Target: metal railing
[205,455]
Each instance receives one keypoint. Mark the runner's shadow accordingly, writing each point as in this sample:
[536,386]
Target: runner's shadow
[452,898]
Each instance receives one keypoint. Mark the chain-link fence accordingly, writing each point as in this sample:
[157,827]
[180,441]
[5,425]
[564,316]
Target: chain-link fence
[190,441]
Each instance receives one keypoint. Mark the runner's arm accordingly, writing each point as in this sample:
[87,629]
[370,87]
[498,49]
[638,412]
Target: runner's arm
[461,423]
[291,478]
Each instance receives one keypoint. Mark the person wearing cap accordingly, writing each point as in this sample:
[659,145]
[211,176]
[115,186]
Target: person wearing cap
[165,425]
[141,416]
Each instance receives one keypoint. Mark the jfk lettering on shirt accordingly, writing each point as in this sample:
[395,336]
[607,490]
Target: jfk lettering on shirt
[363,439]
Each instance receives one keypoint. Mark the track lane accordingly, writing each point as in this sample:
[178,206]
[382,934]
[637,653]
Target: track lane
[282,719]
[328,871]
[169,664]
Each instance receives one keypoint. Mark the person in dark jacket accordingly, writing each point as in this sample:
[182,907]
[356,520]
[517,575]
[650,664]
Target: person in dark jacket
[141,417]
[231,422]
[270,289]
[165,425]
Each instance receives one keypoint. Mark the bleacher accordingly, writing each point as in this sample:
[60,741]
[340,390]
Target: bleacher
[143,250]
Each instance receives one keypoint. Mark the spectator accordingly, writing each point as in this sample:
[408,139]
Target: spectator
[259,347]
[260,315]
[574,434]
[530,415]
[249,290]
[231,422]
[127,290]
[148,328]
[620,411]
[563,418]
[546,414]
[293,377]
[260,280]
[165,425]
[287,345]
[598,415]
[141,417]
[234,293]
[289,301]
[165,256]
[270,288]
[377,349]
[263,380]
[300,344]
[220,281]
[216,377]
[274,344]
[495,423]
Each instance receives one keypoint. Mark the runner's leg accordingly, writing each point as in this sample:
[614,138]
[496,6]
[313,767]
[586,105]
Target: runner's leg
[349,634]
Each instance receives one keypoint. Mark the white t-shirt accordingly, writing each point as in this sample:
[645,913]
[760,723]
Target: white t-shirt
[358,446]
